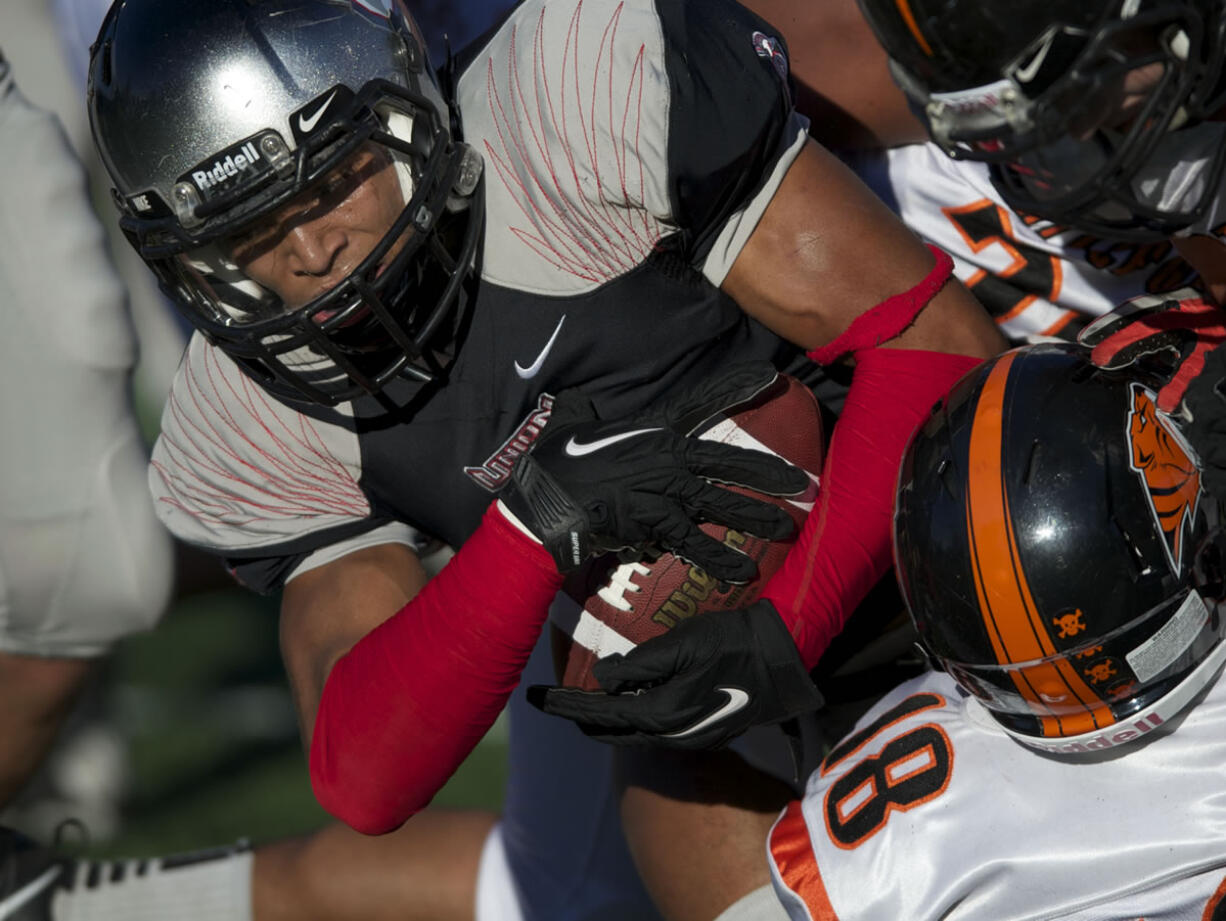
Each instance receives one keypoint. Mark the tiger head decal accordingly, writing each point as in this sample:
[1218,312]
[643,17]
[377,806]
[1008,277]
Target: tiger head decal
[1170,478]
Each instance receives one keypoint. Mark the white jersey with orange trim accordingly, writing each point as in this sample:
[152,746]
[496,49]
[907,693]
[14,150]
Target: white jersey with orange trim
[1036,278]
[929,810]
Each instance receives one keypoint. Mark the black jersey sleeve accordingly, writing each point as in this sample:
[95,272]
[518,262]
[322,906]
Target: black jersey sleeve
[266,574]
[731,115]
[266,570]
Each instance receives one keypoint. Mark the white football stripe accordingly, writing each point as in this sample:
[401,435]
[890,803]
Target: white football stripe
[599,638]
[729,433]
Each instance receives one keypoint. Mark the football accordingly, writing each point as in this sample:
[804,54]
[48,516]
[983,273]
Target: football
[619,604]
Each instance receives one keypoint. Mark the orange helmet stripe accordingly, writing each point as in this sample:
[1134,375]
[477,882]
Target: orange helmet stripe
[1014,625]
[904,10]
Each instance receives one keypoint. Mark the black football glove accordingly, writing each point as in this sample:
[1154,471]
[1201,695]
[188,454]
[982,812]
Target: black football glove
[1179,329]
[1204,422]
[698,686]
[591,485]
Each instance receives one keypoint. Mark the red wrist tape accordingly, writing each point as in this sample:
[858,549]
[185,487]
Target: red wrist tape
[408,702]
[889,318]
[844,548]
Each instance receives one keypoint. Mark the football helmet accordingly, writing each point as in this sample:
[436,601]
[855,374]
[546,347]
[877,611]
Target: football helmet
[292,174]
[1094,114]
[1057,553]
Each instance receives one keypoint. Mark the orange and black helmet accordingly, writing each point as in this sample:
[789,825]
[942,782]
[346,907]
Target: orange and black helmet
[1057,552]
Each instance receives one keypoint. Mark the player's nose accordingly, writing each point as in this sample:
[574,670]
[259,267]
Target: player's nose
[315,247]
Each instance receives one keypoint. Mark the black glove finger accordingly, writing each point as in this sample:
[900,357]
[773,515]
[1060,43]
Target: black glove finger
[701,715]
[736,466]
[593,708]
[649,664]
[569,407]
[741,513]
[717,560]
[603,712]
[674,531]
[687,410]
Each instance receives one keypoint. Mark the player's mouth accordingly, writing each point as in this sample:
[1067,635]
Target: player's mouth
[323,316]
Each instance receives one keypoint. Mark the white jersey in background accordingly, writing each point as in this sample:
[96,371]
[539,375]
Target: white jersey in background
[1035,278]
[928,810]
[83,560]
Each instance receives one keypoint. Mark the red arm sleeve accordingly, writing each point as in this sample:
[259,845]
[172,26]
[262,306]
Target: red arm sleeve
[844,548]
[408,702]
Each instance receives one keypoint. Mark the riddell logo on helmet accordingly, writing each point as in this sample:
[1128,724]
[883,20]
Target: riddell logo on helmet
[1117,736]
[222,170]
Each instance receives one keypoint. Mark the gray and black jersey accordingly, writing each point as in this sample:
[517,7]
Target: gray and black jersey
[630,149]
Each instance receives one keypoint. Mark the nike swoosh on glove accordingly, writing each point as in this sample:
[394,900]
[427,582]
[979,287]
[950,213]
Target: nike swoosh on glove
[591,485]
[698,686]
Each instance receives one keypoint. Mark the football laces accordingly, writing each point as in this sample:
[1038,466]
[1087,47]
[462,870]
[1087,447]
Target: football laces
[613,593]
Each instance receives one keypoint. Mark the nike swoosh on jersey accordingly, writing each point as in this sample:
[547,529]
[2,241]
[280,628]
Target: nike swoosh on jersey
[737,700]
[306,124]
[15,901]
[581,449]
[531,371]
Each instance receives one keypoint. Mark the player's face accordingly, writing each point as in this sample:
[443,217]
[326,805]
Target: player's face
[312,243]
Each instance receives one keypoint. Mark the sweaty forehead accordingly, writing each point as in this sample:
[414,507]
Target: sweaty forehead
[366,171]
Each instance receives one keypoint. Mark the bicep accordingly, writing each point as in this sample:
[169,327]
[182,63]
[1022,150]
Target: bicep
[827,250]
[325,611]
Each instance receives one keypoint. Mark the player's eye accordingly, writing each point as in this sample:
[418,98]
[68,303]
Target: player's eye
[248,243]
[338,184]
